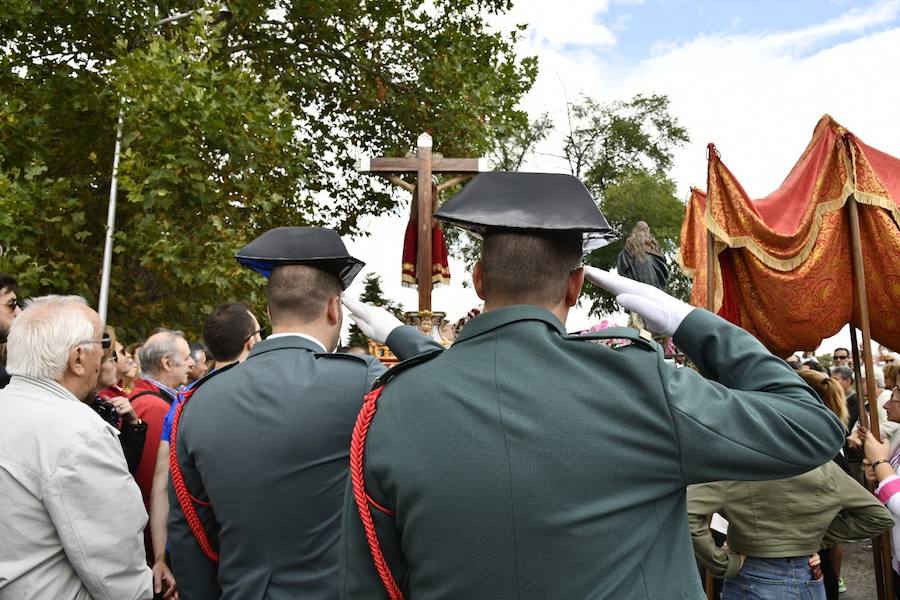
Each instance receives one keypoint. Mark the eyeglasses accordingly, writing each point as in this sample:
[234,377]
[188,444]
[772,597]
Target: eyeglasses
[836,357]
[105,342]
[261,331]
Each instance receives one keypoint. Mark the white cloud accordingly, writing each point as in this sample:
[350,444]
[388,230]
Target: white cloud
[757,97]
[557,25]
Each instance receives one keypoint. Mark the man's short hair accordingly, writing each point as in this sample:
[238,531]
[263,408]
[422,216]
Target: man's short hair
[8,283]
[155,349]
[195,349]
[299,293]
[41,338]
[843,373]
[836,350]
[529,268]
[226,329]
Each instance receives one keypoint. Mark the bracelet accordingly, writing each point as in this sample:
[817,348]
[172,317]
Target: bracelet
[878,462]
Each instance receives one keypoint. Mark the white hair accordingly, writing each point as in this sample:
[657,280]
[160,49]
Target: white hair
[879,375]
[41,338]
[153,351]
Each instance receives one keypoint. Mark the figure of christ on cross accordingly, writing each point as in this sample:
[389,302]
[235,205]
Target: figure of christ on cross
[439,273]
[424,166]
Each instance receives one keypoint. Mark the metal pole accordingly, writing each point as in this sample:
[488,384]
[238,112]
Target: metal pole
[103,302]
[110,226]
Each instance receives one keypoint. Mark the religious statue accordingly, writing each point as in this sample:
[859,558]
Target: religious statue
[440,270]
[642,260]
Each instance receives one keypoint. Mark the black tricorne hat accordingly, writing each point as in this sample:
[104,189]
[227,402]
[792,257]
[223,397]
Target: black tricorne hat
[547,202]
[317,247]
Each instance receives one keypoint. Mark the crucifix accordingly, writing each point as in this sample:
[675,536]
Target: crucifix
[424,166]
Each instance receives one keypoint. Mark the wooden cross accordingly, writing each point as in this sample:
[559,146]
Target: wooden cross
[424,166]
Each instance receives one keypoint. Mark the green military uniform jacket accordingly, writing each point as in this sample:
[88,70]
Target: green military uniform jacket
[522,463]
[266,444]
[782,518]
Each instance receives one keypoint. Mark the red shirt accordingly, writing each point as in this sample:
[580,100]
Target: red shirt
[151,409]
[113,391]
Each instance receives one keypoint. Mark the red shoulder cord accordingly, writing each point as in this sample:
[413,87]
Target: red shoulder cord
[357,478]
[185,500]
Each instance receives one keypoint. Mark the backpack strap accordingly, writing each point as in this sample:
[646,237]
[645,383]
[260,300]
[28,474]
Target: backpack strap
[159,395]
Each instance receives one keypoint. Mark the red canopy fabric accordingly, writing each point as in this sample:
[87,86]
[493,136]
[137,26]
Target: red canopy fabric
[783,268]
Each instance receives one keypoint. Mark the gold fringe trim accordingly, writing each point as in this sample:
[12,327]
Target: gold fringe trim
[440,276]
[879,201]
[756,250]
[721,240]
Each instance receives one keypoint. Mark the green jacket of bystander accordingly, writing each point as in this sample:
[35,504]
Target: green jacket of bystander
[782,518]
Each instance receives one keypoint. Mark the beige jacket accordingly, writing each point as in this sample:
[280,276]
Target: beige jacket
[71,516]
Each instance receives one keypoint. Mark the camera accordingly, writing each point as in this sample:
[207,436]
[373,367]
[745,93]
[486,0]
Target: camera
[106,411]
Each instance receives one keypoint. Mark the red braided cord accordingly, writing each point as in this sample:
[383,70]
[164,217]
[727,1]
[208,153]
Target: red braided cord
[357,478]
[181,491]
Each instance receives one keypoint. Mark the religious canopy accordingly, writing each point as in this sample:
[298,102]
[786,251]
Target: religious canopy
[783,268]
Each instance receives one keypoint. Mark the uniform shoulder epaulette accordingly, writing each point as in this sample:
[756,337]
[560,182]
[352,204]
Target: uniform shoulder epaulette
[343,355]
[610,336]
[405,365]
[209,376]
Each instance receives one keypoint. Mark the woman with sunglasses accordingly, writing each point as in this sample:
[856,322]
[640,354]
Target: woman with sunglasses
[115,409]
[881,465]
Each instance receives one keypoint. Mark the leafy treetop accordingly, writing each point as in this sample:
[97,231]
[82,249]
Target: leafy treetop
[231,127]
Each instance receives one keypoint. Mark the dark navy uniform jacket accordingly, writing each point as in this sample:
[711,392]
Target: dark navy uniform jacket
[525,464]
[266,443]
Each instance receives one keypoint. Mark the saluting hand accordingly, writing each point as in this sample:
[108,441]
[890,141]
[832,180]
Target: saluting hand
[661,312]
[375,322]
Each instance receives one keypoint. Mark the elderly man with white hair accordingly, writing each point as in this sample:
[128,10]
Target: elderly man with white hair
[71,516]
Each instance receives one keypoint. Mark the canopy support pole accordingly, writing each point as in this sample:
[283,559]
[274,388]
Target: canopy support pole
[709,580]
[881,545]
[710,272]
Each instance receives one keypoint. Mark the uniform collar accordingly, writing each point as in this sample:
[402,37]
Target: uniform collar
[499,317]
[321,346]
[286,341]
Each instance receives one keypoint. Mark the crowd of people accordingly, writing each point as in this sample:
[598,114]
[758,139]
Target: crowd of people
[522,462]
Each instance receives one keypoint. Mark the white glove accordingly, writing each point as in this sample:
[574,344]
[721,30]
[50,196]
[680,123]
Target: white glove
[375,322]
[662,313]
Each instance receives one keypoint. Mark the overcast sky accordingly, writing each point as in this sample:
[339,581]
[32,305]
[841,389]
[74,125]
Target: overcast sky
[752,77]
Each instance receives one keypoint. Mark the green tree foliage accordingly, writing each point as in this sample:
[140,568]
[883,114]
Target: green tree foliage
[374,295]
[514,141]
[231,127]
[607,141]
